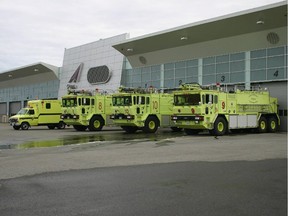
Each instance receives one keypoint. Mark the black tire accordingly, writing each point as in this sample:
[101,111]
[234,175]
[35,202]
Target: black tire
[61,125]
[151,125]
[79,127]
[272,124]
[220,127]
[129,129]
[176,129]
[16,127]
[96,123]
[191,131]
[51,127]
[262,125]
[25,126]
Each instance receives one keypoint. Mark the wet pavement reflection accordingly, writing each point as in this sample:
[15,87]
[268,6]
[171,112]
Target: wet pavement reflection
[99,139]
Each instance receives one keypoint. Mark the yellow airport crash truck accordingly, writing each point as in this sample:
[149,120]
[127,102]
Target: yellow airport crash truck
[38,113]
[219,111]
[145,109]
[83,109]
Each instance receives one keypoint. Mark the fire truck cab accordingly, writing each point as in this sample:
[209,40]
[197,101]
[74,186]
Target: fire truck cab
[83,110]
[145,109]
[198,108]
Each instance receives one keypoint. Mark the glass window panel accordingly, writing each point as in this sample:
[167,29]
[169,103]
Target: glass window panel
[155,75]
[237,56]
[169,74]
[192,71]
[237,77]
[258,75]
[209,60]
[136,71]
[277,61]
[192,80]
[145,77]
[146,70]
[275,51]
[168,66]
[222,67]
[169,83]
[208,69]
[156,68]
[258,53]
[136,84]
[258,63]
[237,66]
[276,73]
[180,64]
[180,72]
[136,78]
[193,62]
[156,83]
[209,79]
[223,58]
[223,78]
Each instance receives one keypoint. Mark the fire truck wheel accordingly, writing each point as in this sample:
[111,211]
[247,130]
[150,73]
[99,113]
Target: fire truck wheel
[25,126]
[79,127]
[262,128]
[220,127]
[129,129]
[96,124]
[61,125]
[151,125]
[272,124]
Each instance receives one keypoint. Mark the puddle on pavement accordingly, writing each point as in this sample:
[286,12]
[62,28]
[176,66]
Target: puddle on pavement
[160,138]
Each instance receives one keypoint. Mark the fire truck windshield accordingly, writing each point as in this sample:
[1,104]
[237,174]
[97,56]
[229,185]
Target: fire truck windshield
[69,102]
[187,99]
[122,101]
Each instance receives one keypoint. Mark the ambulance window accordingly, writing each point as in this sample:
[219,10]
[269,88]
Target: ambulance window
[93,102]
[79,101]
[203,99]
[31,112]
[48,105]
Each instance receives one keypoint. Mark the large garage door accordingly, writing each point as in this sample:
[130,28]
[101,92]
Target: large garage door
[3,112]
[14,107]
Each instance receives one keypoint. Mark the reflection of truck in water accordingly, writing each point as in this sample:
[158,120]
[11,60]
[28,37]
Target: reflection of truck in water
[83,110]
[38,113]
[145,109]
[198,108]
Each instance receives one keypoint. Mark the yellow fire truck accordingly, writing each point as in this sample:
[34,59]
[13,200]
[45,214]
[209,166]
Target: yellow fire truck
[197,108]
[146,109]
[83,110]
[38,113]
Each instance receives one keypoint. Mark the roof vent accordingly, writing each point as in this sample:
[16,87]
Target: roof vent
[142,59]
[273,38]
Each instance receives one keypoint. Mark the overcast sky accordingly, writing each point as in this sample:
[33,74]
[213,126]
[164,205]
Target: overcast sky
[39,30]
